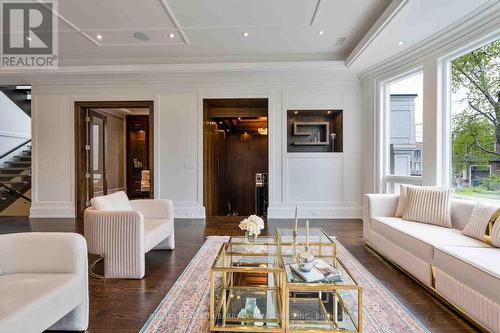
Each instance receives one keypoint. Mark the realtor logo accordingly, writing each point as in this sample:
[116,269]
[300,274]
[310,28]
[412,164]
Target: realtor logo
[29,34]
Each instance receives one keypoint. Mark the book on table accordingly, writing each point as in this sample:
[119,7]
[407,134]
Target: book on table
[321,272]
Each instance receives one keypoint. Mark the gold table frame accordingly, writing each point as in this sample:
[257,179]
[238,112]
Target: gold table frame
[285,291]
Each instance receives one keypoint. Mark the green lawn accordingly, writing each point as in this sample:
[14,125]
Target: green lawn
[478,191]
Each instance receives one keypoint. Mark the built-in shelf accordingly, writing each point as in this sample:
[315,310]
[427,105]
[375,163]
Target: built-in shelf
[298,125]
[315,131]
[298,143]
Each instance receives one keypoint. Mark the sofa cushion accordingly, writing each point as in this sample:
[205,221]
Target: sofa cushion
[155,231]
[429,205]
[33,302]
[419,238]
[477,268]
[117,201]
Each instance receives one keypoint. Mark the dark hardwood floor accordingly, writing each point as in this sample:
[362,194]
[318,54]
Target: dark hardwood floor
[125,305]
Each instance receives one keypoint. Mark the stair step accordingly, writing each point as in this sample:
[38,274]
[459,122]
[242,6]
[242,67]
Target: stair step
[14,182]
[19,164]
[10,170]
[12,175]
[22,158]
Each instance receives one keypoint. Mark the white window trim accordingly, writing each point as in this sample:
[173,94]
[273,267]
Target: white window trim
[383,130]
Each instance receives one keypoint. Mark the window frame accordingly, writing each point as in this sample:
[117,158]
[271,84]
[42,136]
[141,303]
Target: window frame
[385,177]
[444,84]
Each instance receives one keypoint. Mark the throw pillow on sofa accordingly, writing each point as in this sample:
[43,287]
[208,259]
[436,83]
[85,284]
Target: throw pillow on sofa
[403,200]
[429,205]
[478,221]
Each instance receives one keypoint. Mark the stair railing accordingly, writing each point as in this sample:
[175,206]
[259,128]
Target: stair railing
[14,192]
[9,189]
[15,148]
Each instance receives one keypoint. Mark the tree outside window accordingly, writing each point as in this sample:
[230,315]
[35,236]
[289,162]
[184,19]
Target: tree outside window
[475,122]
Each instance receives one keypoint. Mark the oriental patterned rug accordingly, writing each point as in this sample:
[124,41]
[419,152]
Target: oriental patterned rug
[186,306]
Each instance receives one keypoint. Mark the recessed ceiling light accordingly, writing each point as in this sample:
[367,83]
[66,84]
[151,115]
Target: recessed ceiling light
[296,112]
[99,36]
[245,34]
[227,130]
[321,32]
[141,36]
[239,118]
[220,122]
[28,38]
[329,112]
[401,43]
[171,35]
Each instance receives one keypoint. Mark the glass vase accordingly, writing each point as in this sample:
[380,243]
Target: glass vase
[249,237]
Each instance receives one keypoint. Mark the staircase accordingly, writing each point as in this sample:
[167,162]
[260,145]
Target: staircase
[15,176]
[20,95]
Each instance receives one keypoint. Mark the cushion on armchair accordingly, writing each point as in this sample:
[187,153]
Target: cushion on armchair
[117,201]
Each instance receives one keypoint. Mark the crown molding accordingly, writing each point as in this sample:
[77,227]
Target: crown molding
[478,24]
[186,68]
[384,19]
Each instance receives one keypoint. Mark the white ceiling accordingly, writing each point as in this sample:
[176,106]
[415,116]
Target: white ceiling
[412,23]
[283,32]
[211,30]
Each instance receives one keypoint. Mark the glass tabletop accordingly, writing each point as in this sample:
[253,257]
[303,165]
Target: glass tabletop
[248,257]
[316,236]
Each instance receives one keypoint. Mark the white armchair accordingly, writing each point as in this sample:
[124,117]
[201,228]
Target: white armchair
[43,282]
[122,237]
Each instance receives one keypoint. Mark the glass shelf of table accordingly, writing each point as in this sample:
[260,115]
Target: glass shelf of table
[246,291]
[248,308]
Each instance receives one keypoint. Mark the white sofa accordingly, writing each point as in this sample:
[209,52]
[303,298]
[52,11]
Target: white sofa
[461,269]
[123,237]
[43,282]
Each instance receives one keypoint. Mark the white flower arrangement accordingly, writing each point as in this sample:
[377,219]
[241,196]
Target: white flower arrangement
[253,224]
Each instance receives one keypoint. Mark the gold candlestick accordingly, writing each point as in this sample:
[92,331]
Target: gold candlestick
[295,229]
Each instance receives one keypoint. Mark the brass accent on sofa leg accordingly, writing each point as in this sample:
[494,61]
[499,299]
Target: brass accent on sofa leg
[92,266]
[433,276]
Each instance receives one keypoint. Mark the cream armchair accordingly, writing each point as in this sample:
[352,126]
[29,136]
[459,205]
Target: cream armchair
[43,282]
[123,231]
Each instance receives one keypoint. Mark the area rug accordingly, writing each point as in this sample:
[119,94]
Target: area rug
[186,307]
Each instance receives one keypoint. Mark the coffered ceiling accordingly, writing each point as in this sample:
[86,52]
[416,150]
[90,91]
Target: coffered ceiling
[181,31]
[357,34]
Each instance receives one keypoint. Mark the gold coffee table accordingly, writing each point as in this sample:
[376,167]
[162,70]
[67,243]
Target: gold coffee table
[324,306]
[253,289]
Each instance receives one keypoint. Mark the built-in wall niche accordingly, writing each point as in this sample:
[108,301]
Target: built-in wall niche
[315,131]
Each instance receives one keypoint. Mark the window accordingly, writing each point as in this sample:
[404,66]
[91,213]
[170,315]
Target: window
[404,114]
[475,124]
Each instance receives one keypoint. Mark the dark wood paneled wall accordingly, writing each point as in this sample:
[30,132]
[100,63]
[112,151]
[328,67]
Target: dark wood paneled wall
[245,159]
[230,163]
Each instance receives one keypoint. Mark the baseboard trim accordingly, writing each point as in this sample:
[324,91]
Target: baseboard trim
[183,211]
[52,211]
[431,290]
[315,212]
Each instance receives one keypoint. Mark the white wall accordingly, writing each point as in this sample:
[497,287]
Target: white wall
[325,185]
[15,126]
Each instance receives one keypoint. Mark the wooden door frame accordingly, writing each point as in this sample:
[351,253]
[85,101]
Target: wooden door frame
[104,136]
[80,158]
